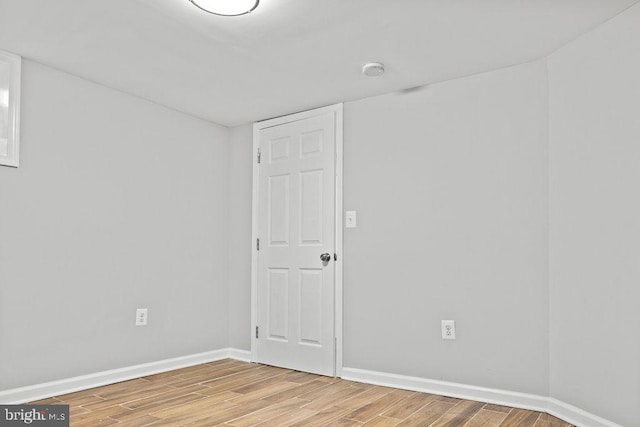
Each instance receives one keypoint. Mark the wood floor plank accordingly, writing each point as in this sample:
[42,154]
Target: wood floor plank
[264,392]
[273,410]
[128,395]
[97,390]
[130,398]
[246,421]
[287,418]
[194,371]
[319,392]
[208,371]
[378,406]
[296,391]
[499,408]
[163,397]
[520,418]
[459,415]
[239,379]
[261,385]
[344,422]
[249,415]
[329,400]
[380,421]
[195,406]
[219,411]
[103,413]
[85,400]
[487,418]
[300,377]
[206,377]
[330,389]
[427,415]
[99,417]
[406,407]
[174,402]
[144,420]
[546,420]
[221,370]
[161,423]
[238,411]
[230,393]
[77,410]
[95,422]
[364,398]
[323,417]
[225,362]
[448,399]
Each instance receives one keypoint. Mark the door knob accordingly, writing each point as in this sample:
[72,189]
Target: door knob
[325,258]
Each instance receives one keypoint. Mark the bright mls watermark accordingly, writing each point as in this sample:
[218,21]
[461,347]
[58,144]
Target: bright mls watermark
[35,415]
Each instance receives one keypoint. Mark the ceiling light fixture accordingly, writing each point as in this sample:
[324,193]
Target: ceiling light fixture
[373,69]
[226,7]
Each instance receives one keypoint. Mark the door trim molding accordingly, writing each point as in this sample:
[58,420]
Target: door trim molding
[338,110]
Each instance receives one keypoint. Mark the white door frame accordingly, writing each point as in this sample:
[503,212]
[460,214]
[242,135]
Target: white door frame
[337,109]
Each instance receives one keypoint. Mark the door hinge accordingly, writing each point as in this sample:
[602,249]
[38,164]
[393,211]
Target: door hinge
[257,332]
[259,155]
[257,244]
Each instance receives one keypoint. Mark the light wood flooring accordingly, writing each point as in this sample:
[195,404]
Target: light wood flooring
[233,393]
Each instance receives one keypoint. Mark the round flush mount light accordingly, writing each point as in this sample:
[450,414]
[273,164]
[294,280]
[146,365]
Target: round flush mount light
[226,7]
[373,69]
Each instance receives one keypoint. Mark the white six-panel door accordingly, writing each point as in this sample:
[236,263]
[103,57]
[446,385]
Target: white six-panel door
[295,227]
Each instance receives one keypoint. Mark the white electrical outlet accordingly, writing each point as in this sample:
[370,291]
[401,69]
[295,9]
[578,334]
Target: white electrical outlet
[448,329]
[141,317]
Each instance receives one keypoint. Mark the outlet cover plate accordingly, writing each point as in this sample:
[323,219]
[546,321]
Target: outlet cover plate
[141,317]
[448,330]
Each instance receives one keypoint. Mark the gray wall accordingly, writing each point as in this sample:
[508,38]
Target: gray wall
[450,186]
[595,220]
[241,181]
[118,203]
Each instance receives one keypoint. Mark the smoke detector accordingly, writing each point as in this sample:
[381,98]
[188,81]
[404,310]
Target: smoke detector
[373,69]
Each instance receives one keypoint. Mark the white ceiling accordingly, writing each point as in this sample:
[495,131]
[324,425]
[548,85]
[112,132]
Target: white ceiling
[288,55]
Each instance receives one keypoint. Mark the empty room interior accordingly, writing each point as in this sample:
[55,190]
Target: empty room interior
[320,212]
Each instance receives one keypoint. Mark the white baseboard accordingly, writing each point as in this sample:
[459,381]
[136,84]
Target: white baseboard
[534,402]
[241,355]
[70,385]
[575,415]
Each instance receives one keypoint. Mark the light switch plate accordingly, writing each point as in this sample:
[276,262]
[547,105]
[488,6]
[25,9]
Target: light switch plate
[350,219]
